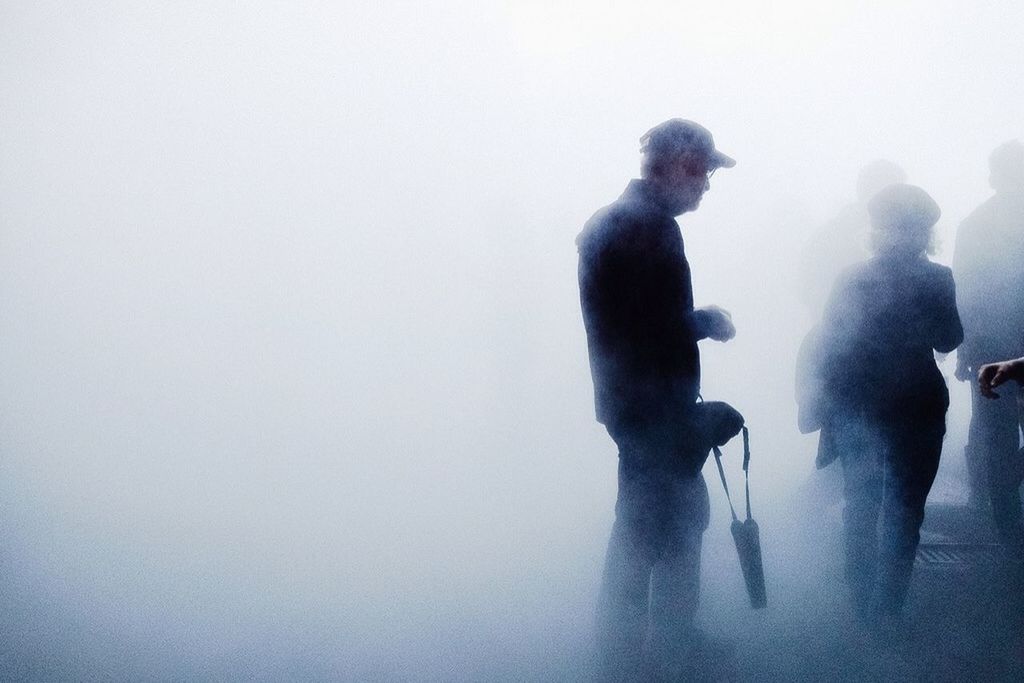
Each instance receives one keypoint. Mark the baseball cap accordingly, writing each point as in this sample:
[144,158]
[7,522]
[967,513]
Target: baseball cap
[682,139]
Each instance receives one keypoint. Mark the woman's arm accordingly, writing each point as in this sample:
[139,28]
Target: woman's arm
[948,330]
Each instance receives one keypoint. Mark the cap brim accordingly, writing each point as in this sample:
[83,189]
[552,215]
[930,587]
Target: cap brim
[721,160]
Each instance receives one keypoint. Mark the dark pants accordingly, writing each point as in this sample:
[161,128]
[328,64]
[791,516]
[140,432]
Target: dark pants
[651,576]
[888,469]
[994,461]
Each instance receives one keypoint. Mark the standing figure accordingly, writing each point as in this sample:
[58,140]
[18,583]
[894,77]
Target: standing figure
[843,241]
[989,267]
[886,401]
[831,249]
[642,333]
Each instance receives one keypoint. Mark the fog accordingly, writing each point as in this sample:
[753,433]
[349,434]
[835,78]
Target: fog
[294,377]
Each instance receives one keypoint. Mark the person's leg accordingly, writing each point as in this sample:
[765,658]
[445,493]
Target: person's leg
[976,453]
[675,578]
[911,462]
[622,607]
[622,611]
[994,438]
[862,490]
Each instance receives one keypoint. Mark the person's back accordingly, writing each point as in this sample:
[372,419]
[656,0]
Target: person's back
[885,319]
[842,241]
[989,267]
[886,401]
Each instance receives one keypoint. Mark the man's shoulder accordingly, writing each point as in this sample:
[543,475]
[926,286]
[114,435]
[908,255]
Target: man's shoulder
[618,223]
[981,218]
[858,272]
[596,231]
[597,223]
[937,270]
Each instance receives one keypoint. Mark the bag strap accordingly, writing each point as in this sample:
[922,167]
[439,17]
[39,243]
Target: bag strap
[725,485]
[746,465]
[746,473]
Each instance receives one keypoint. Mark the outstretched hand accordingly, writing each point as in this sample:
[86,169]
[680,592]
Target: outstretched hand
[715,323]
[992,375]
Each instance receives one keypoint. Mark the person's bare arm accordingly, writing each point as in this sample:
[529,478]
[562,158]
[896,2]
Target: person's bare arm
[992,375]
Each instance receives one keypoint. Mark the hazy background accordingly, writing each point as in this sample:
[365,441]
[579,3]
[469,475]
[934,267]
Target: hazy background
[293,379]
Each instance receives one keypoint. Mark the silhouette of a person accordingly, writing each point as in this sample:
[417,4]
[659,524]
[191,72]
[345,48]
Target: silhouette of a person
[842,241]
[642,333]
[887,401]
[989,265]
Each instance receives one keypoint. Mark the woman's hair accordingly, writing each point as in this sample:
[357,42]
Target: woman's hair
[902,220]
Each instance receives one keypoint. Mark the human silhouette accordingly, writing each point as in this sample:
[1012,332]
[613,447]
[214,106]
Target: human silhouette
[989,265]
[842,241]
[642,333]
[884,398]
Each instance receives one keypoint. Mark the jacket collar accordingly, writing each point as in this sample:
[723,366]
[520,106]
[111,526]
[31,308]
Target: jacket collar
[645,192]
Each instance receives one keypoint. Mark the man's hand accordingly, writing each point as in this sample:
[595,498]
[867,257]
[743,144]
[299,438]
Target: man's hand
[963,368]
[714,323]
[992,375]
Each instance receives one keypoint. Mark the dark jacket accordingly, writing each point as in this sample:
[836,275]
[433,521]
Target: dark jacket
[637,301]
[989,266]
[884,320]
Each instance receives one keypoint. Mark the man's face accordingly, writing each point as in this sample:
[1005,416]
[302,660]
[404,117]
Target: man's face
[685,183]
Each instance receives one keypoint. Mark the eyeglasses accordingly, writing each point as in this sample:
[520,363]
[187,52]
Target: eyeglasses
[693,169]
[698,172]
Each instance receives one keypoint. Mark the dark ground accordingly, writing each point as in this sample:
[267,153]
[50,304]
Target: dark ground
[964,618]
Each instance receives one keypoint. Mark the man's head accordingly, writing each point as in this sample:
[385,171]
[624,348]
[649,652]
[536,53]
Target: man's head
[679,157]
[1006,166]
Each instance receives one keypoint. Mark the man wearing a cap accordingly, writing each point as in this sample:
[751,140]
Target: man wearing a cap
[642,333]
